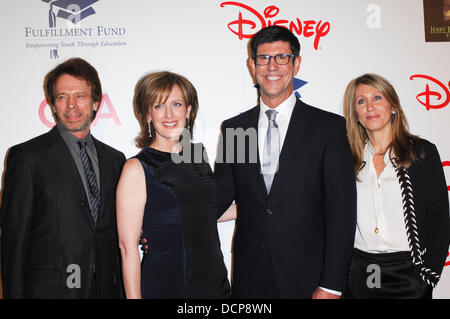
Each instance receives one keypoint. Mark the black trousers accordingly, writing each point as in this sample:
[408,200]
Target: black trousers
[385,276]
[93,288]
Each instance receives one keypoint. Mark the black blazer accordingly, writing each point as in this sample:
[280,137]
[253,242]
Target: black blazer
[301,235]
[47,225]
[431,206]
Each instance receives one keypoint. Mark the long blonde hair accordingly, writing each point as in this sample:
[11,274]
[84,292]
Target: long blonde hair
[402,141]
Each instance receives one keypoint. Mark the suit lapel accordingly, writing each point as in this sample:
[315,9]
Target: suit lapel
[61,156]
[105,182]
[297,131]
[256,169]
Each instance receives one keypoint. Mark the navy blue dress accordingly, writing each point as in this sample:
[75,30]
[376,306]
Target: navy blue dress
[184,258]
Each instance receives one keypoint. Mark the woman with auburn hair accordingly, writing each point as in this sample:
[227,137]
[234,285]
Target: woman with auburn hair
[403,227]
[169,193]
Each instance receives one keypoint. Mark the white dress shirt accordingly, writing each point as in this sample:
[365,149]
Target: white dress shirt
[380,222]
[283,118]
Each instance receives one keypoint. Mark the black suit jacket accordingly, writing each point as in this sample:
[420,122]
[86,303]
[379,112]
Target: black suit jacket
[300,236]
[431,206]
[48,235]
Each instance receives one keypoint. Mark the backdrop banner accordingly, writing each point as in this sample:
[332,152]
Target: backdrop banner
[207,41]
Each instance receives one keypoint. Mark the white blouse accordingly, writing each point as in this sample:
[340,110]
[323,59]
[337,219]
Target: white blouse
[380,222]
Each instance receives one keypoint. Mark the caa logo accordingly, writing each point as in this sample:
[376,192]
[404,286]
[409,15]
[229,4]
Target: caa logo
[69,10]
[433,99]
[242,26]
[105,103]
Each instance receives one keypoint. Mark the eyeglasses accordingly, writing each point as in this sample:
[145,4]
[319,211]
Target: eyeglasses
[280,59]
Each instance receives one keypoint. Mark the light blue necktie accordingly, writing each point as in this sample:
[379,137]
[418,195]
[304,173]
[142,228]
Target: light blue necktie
[271,152]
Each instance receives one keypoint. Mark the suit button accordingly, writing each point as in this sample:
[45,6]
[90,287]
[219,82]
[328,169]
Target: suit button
[265,246]
[82,204]
[269,211]
[92,267]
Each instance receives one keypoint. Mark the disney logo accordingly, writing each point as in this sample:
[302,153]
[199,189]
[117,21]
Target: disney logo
[428,94]
[308,28]
[444,164]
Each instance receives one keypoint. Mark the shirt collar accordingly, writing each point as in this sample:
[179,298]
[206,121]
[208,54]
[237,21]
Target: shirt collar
[72,140]
[369,151]
[284,109]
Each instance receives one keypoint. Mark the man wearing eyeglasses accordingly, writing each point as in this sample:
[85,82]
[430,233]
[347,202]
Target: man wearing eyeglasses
[296,205]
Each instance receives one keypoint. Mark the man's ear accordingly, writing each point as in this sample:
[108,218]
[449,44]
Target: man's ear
[252,66]
[297,62]
[95,106]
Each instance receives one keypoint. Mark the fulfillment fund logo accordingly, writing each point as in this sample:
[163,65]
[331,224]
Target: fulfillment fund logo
[65,29]
[70,10]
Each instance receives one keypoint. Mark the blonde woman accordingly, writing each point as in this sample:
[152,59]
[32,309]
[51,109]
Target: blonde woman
[402,233]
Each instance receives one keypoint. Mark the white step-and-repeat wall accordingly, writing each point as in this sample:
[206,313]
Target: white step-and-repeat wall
[206,41]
